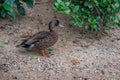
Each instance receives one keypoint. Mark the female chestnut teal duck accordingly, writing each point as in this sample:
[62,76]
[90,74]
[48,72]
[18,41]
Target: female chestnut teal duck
[43,39]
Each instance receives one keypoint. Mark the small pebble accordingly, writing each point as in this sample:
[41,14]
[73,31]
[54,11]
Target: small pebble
[14,77]
[6,41]
[92,48]
[75,62]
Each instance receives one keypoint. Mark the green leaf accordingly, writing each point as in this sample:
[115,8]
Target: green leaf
[17,3]
[2,13]
[60,6]
[28,49]
[98,18]
[96,2]
[67,3]
[59,1]
[7,7]
[108,9]
[21,10]
[77,23]
[117,5]
[12,14]
[50,49]
[117,24]
[88,4]
[106,2]
[95,27]
[56,6]
[10,2]
[75,8]
[112,40]
[2,46]
[87,27]
[67,11]
[29,3]
[35,57]
[9,10]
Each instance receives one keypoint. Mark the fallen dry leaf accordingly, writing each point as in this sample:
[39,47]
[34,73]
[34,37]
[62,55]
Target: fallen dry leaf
[102,71]
[118,51]
[75,62]
[104,33]
[8,33]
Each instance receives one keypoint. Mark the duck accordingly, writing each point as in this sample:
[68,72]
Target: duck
[43,39]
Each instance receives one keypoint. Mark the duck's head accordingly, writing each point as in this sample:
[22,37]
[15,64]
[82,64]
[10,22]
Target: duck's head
[52,24]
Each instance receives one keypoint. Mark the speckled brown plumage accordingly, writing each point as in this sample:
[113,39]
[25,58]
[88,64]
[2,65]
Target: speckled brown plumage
[43,39]
[48,39]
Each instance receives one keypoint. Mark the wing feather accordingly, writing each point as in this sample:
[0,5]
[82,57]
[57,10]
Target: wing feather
[35,38]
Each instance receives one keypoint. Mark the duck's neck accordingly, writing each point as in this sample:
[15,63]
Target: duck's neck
[51,27]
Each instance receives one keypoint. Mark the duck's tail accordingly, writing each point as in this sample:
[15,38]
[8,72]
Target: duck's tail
[23,44]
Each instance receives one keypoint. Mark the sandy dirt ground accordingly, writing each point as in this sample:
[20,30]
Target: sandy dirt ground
[75,56]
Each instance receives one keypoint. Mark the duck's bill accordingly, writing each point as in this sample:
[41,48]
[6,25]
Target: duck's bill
[60,25]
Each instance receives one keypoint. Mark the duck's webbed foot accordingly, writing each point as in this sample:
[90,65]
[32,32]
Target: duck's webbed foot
[43,53]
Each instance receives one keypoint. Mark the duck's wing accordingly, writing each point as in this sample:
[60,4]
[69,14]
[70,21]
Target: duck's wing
[38,36]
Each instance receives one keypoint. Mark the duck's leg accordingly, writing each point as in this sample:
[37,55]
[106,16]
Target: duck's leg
[43,53]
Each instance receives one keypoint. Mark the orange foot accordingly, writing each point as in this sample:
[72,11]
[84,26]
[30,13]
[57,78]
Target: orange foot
[43,53]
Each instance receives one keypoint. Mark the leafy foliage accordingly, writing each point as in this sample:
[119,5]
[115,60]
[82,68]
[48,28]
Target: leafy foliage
[95,15]
[7,7]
